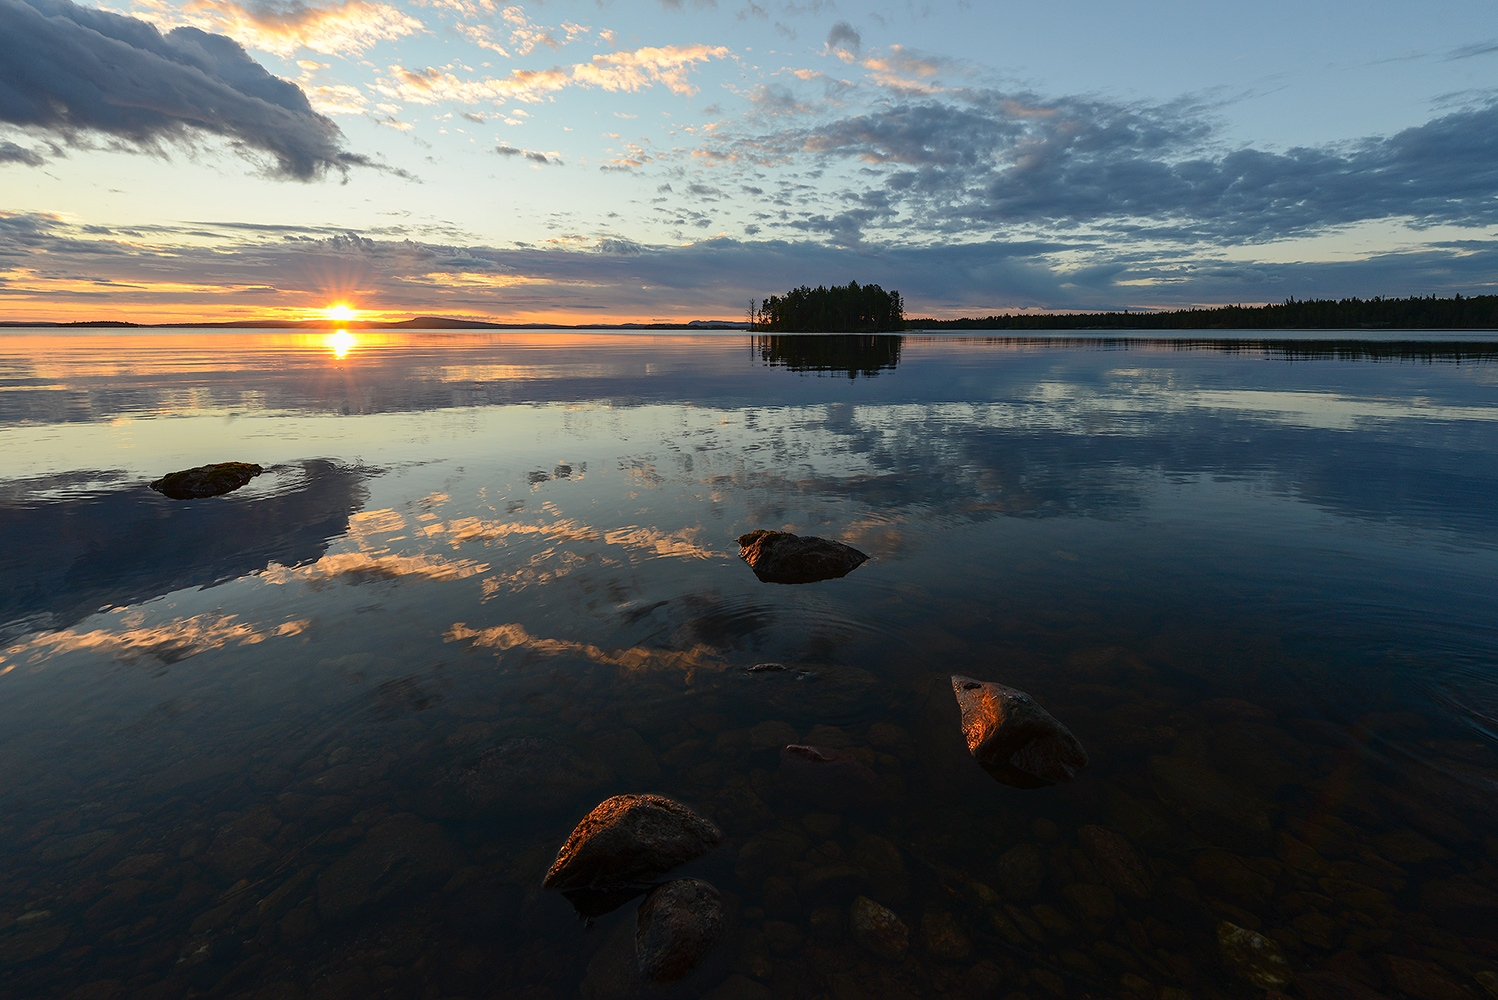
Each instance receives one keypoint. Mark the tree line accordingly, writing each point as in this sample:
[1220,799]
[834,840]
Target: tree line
[1478,312]
[850,308]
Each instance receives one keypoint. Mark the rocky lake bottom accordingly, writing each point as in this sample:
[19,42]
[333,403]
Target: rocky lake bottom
[323,736]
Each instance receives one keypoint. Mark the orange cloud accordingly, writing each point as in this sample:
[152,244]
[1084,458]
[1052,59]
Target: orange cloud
[336,29]
[616,71]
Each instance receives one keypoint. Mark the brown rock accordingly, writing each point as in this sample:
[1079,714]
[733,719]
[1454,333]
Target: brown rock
[836,779]
[677,923]
[1424,980]
[1252,956]
[944,937]
[1117,861]
[781,557]
[630,838]
[879,930]
[1017,741]
[206,480]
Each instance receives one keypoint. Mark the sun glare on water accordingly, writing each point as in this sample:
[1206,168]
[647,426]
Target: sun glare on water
[341,343]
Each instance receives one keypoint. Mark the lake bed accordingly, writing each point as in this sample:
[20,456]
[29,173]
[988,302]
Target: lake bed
[323,736]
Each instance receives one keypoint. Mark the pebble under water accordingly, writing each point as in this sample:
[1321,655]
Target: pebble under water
[323,736]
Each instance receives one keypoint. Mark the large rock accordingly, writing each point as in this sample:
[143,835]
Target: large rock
[781,557]
[834,779]
[1117,861]
[1017,741]
[629,839]
[676,925]
[206,480]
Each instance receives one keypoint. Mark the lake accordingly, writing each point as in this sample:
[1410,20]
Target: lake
[323,736]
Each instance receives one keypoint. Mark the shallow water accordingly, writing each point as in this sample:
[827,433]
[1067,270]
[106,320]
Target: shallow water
[239,737]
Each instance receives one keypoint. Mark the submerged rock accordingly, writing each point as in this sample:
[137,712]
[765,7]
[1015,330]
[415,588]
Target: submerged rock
[629,839]
[524,774]
[1017,741]
[1252,956]
[781,557]
[835,779]
[206,480]
[676,925]
[879,930]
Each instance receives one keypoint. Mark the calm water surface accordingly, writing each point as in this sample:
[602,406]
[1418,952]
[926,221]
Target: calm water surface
[322,737]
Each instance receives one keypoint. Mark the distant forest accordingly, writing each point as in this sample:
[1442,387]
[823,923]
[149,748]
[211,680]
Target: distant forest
[1479,312]
[850,308]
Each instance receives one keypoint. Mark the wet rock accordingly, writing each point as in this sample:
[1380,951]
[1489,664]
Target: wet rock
[878,929]
[31,944]
[676,925]
[1458,898]
[206,480]
[1424,980]
[400,855]
[783,937]
[832,778]
[524,775]
[1021,870]
[832,881]
[771,733]
[944,937]
[883,869]
[1252,956]
[1214,806]
[1017,741]
[630,838]
[779,898]
[1117,861]
[1093,904]
[1328,986]
[781,557]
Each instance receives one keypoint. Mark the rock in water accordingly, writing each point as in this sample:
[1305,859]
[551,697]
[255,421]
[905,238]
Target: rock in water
[879,930]
[833,778]
[524,774]
[206,480]
[627,839]
[676,925]
[781,557]
[1253,956]
[1017,741]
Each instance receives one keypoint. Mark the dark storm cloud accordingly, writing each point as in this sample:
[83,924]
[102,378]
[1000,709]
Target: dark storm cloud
[67,70]
[977,159]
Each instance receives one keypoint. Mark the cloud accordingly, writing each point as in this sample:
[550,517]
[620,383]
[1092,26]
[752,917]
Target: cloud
[974,159]
[59,265]
[844,41]
[283,26]
[11,153]
[68,71]
[544,159]
[614,71]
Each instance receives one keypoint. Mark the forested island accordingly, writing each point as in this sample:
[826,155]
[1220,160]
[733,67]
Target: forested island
[1479,312]
[850,308]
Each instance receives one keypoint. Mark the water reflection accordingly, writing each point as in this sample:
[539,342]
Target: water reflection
[853,354]
[1260,588]
[79,542]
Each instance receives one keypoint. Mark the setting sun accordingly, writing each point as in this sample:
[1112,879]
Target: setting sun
[341,312]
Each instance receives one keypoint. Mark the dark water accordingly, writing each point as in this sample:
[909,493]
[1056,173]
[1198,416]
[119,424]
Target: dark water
[248,744]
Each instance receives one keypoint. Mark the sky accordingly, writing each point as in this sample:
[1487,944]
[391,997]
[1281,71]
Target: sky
[583,161]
